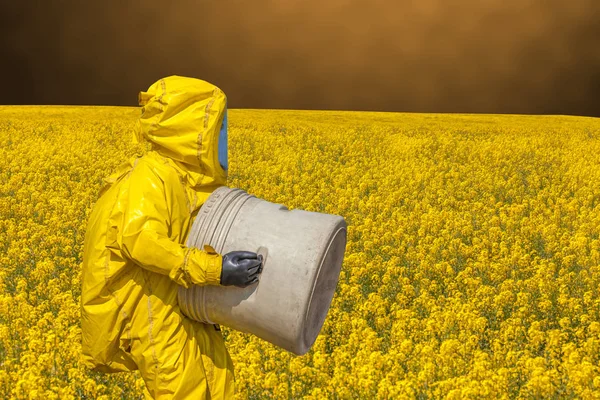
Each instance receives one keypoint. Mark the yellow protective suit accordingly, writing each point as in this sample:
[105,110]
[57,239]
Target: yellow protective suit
[134,253]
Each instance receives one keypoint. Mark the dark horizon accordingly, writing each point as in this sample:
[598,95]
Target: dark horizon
[316,110]
[425,56]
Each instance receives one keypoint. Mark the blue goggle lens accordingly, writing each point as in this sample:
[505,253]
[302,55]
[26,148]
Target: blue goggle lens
[223,143]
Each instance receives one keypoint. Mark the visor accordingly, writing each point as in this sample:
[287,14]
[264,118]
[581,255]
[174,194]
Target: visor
[223,142]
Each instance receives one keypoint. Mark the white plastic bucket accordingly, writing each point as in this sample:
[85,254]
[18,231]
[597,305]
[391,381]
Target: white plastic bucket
[303,253]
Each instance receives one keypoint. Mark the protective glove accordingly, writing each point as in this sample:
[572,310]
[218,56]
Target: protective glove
[241,268]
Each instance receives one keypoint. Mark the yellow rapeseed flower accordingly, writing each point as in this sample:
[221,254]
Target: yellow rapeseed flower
[472,266]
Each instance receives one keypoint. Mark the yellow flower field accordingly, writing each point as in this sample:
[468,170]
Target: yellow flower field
[472,268]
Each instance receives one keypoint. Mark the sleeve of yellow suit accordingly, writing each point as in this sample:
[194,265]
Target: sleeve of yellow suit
[141,233]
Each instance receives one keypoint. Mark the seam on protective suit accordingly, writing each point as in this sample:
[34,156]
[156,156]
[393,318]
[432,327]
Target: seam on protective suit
[187,198]
[163,86]
[186,273]
[206,117]
[150,327]
[207,111]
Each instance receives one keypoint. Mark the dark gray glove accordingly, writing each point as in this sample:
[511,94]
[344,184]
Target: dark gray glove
[241,268]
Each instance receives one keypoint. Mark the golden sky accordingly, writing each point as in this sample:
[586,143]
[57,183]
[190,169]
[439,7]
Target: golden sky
[496,56]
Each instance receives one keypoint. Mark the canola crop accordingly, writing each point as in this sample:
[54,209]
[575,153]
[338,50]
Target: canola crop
[472,267]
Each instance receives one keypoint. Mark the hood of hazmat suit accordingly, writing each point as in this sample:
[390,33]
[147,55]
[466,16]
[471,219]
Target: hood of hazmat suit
[134,256]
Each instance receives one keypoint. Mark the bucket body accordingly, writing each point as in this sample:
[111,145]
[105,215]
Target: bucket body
[303,254]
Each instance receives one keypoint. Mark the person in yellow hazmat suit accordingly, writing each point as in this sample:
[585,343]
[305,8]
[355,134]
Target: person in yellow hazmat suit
[134,254]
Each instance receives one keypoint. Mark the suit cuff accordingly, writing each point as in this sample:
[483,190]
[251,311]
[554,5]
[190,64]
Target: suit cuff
[214,265]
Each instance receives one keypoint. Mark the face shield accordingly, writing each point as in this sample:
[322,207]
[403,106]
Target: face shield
[223,142]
